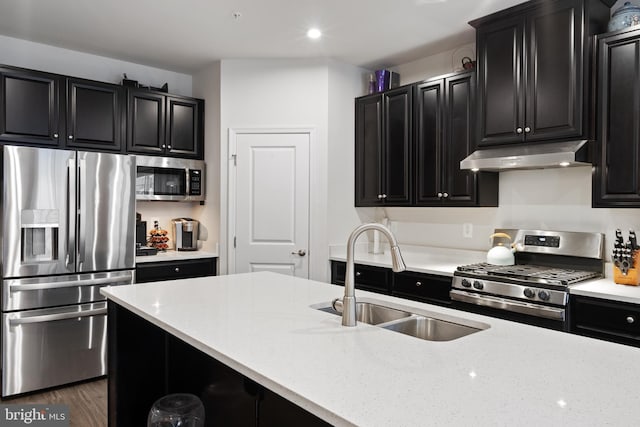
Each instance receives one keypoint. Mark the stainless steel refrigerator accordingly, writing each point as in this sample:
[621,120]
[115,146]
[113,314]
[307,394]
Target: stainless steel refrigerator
[68,222]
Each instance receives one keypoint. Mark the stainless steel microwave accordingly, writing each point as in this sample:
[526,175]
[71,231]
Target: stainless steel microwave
[170,179]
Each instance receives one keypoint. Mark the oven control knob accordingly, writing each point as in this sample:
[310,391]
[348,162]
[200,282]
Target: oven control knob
[466,283]
[478,284]
[529,293]
[543,295]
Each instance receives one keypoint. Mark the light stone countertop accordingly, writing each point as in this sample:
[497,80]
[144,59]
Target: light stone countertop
[443,261]
[175,256]
[422,259]
[262,325]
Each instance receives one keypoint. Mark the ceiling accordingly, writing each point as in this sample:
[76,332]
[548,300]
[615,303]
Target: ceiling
[185,35]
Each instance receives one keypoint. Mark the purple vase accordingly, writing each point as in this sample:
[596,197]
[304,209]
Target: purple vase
[382,80]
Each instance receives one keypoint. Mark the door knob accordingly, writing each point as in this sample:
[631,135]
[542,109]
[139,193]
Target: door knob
[301,252]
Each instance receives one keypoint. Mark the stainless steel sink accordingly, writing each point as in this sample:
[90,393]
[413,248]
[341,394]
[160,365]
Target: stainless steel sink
[431,329]
[370,313]
[422,324]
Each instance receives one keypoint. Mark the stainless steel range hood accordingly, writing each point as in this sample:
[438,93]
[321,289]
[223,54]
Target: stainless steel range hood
[536,156]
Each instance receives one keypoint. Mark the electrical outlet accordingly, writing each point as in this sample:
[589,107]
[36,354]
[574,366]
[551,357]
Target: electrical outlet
[467,230]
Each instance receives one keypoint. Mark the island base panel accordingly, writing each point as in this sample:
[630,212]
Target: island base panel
[146,363]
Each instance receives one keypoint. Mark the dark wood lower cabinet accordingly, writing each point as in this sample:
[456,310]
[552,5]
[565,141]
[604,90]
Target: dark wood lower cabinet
[146,363]
[423,287]
[367,277]
[605,319]
[172,270]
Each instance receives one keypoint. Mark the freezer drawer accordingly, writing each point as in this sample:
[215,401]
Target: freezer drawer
[41,292]
[50,347]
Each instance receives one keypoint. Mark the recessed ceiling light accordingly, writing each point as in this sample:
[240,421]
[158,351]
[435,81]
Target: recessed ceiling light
[314,33]
[564,164]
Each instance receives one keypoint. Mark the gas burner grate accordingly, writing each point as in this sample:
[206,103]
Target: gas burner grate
[532,273]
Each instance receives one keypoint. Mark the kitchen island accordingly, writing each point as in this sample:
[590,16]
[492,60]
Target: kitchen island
[262,326]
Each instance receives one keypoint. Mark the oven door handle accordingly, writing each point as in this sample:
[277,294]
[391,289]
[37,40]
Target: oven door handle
[57,316]
[68,284]
[509,305]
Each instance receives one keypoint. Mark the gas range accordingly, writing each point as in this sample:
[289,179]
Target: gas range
[537,286]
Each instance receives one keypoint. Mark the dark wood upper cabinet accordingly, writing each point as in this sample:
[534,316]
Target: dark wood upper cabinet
[384,135]
[445,135]
[159,124]
[30,107]
[185,130]
[145,122]
[534,71]
[616,173]
[94,115]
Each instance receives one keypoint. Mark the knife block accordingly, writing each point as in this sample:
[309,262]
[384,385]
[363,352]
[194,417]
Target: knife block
[633,275]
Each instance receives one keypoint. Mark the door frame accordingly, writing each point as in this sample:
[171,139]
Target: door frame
[232,187]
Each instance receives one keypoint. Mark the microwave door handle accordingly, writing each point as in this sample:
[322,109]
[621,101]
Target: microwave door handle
[188,183]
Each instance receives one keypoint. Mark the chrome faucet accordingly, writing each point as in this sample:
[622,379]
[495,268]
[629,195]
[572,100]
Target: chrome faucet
[349,300]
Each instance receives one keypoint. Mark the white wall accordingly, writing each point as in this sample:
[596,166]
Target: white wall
[316,94]
[206,85]
[435,65]
[345,83]
[43,57]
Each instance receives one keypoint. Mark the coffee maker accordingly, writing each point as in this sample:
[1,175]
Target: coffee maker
[185,234]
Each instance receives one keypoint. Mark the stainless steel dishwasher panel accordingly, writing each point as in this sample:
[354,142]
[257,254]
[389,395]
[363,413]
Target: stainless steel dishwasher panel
[50,347]
[43,292]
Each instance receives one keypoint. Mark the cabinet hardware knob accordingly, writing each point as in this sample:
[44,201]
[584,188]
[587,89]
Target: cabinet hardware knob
[418,283]
[301,252]
[630,319]
[519,130]
[177,270]
[358,274]
[164,146]
[169,147]
[439,194]
[70,136]
[55,135]
[527,129]
[445,195]
[379,196]
[384,196]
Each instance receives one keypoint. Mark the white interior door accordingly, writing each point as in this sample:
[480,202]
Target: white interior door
[272,202]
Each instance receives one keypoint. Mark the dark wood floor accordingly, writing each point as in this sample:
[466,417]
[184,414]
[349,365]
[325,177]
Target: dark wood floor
[87,402]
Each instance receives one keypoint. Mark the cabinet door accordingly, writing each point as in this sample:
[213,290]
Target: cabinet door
[173,270]
[554,72]
[422,287]
[30,107]
[616,177]
[368,145]
[460,185]
[500,84]
[608,320]
[94,115]
[184,127]
[429,130]
[398,143]
[145,122]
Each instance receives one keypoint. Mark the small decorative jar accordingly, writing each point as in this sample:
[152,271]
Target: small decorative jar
[625,16]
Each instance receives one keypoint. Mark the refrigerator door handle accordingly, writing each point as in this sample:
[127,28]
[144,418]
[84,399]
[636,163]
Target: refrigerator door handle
[82,179]
[68,284]
[58,316]
[70,216]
